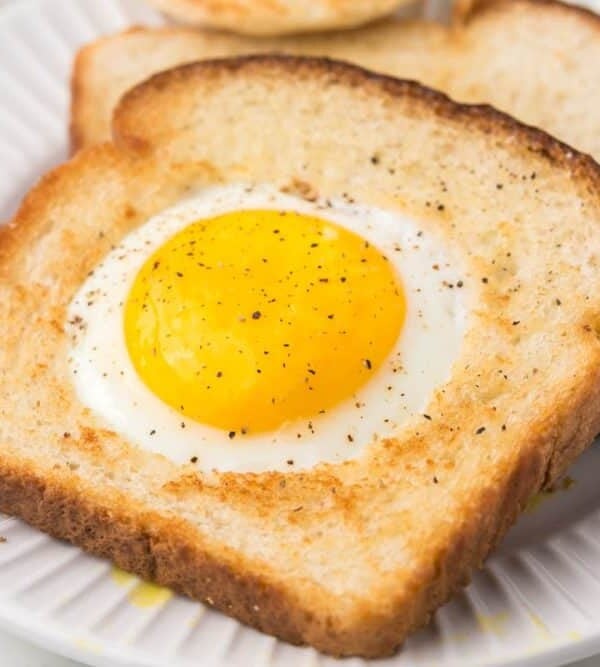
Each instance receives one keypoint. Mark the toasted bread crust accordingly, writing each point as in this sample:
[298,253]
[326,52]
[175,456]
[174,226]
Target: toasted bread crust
[475,61]
[147,170]
[98,77]
[155,551]
[164,555]
[130,135]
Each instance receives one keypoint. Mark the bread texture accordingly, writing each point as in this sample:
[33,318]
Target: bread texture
[276,17]
[349,558]
[107,68]
[530,59]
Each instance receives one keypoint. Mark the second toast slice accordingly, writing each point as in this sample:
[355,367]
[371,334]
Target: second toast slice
[531,59]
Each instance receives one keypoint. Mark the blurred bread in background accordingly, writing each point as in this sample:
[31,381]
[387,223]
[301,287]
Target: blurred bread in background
[527,58]
[277,17]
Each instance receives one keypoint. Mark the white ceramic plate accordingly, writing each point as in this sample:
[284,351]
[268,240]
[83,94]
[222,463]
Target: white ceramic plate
[536,604]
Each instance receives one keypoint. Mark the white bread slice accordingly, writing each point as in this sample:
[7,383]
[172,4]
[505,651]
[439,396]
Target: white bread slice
[350,557]
[530,59]
[106,68]
[276,17]
[533,59]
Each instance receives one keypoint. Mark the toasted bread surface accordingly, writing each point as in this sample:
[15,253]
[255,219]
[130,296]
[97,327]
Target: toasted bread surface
[105,69]
[531,58]
[275,17]
[528,58]
[339,556]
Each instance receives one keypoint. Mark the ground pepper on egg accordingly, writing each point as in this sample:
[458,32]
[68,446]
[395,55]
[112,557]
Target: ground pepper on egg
[247,315]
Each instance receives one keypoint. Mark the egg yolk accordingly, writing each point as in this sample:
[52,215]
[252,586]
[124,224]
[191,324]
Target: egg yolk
[253,319]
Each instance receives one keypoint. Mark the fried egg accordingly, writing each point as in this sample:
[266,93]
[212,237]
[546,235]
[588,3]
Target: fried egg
[245,329]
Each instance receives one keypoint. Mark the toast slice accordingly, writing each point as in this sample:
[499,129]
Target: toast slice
[106,68]
[347,557]
[530,59]
[275,17]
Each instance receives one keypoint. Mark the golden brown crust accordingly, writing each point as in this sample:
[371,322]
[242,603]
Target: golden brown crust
[77,127]
[483,116]
[473,63]
[533,422]
[77,88]
[161,551]
[105,69]
[571,433]
[156,550]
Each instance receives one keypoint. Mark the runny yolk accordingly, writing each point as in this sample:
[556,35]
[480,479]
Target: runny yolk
[252,319]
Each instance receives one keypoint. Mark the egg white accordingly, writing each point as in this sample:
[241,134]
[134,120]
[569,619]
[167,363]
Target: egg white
[106,381]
